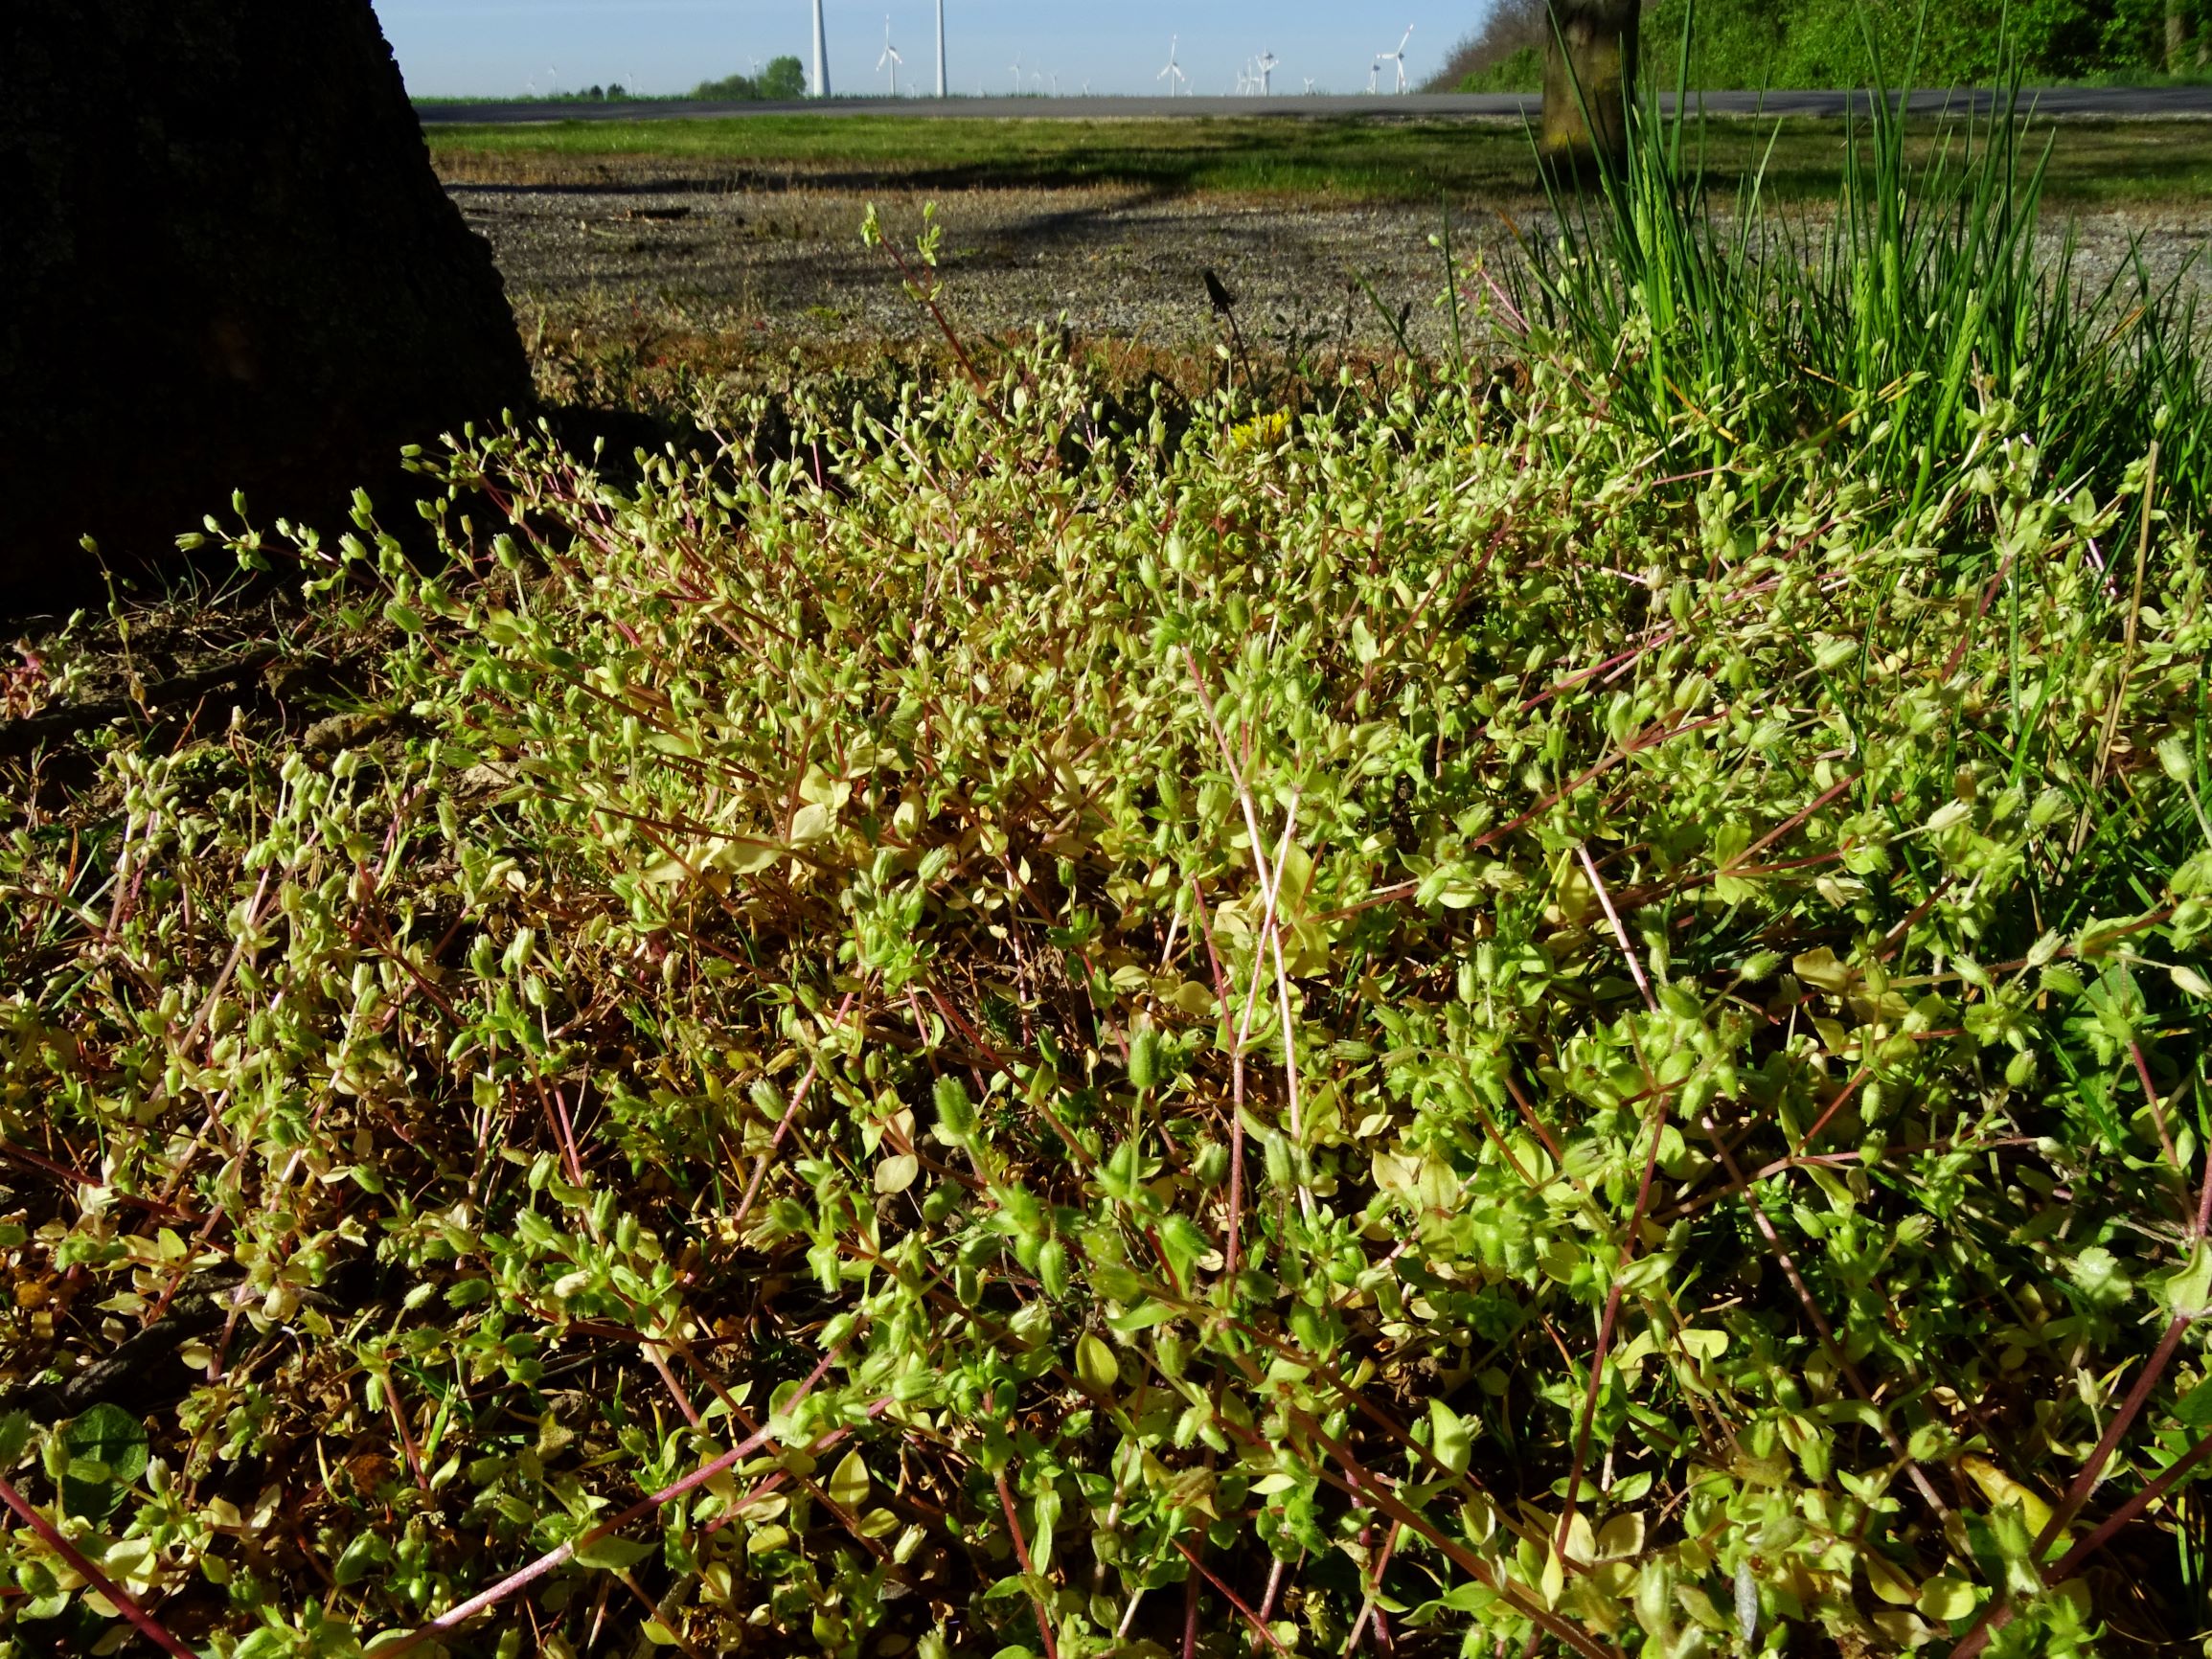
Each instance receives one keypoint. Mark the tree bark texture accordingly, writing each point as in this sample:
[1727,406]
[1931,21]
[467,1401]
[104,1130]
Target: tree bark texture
[225,263]
[1589,70]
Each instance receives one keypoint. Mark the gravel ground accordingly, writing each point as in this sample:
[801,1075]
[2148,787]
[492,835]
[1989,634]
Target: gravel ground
[766,266]
[788,267]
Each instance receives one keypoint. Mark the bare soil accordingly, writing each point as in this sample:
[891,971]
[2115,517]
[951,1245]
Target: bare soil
[780,268]
[717,263]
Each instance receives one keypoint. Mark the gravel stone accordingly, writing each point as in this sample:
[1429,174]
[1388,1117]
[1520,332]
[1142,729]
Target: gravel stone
[780,264]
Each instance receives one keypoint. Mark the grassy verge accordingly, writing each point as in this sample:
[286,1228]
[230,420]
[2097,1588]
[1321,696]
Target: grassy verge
[2093,162]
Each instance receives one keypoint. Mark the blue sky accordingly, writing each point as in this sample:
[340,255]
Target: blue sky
[509,46]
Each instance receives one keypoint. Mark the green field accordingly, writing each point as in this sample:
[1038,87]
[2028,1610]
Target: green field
[2092,161]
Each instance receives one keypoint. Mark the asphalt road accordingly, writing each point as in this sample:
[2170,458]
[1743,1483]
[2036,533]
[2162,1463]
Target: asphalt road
[2062,101]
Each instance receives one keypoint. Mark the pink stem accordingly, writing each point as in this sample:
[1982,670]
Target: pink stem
[790,1112]
[149,1626]
[1021,1555]
[1620,933]
[453,1618]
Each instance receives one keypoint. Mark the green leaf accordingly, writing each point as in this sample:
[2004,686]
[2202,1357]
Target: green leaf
[614,1553]
[1704,1345]
[2194,1409]
[1185,1244]
[1148,1313]
[2187,1291]
[14,1435]
[360,1559]
[1820,969]
[107,1450]
[848,1482]
[1947,1600]
[1452,1437]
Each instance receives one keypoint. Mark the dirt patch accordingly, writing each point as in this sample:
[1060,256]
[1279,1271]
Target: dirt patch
[712,260]
[786,268]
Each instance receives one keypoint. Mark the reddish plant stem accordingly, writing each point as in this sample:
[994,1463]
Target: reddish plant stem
[453,1618]
[1651,737]
[2085,1483]
[927,296]
[2077,1557]
[146,1623]
[1999,1614]
[563,1133]
[1596,668]
[1357,1483]
[1021,1555]
[1790,823]
[1833,1107]
[783,1128]
[1275,1589]
[1813,1312]
[1270,937]
[1620,933]
[2158,1109]
[659,1363]
[63,1171]
[1535,1124]
[1231,1243]
[1367,1607]
[1656,1124]
[1258,1625]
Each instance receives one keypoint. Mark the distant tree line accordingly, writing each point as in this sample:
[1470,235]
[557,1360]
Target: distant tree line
[783,78]
[1796,43]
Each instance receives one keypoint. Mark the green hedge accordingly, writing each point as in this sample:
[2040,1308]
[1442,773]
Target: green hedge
[1807,43]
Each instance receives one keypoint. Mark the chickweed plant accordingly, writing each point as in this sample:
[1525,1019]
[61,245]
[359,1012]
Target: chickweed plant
[1382,1028]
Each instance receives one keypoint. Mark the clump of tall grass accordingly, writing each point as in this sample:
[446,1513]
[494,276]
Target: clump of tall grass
[1871,330]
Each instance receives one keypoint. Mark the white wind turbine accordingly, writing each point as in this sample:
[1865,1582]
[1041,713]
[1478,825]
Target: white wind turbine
[891,58]
[941,83]
[1374,70]
[1266,66]
[821,55]
[1308,86]
[1397,57]
[1173,74]
[1015,68]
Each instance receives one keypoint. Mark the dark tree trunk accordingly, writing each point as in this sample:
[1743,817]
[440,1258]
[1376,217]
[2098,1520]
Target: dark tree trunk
[1589,70]
[227,265]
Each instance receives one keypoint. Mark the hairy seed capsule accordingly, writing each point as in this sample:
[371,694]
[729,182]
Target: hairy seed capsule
[1143,1057]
